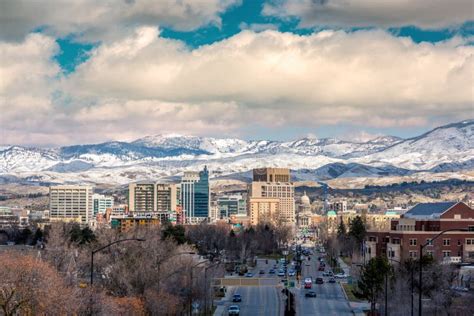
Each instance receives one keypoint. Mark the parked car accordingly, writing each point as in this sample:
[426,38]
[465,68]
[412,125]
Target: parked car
[281,273]
[261,272]
[310,294]
[332,280]
[234,310]
[237,298]
[291,273]
[319,281]
[249,275]
[321,268]
[271,271]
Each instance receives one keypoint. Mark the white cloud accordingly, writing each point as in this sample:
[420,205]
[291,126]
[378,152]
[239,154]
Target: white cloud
[106,19]
[145,84]
[366,13]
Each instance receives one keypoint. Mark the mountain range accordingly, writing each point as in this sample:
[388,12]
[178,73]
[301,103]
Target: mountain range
[448,149]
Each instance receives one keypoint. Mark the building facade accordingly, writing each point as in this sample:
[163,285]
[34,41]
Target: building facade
[101,203]
[283,191]
[152,197]
[419,225]
[71,203]
[271,175]
[264,210]
[229,205]
[196,196]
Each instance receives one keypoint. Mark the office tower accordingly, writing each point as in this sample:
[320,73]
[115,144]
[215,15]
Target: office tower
[266,184]
[231,205]
[263,210]
[166,197]
[101,203]
[195,195]
[71,203]
[271,175]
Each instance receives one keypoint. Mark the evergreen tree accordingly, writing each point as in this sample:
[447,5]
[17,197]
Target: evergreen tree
[372,279]
[175,232]
[357,230]
[341,230]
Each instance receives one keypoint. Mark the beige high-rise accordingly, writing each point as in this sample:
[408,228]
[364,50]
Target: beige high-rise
[152,197]
[283,191]
[71,203]
[263,210]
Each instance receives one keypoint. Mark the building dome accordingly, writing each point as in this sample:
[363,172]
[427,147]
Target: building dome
[305,199]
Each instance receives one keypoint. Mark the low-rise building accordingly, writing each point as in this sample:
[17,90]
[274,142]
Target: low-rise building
[419,226]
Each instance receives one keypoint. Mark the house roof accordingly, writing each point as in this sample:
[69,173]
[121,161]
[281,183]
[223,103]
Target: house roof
[429,210]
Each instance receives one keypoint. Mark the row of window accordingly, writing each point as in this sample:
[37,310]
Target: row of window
[446,253]
[414,241]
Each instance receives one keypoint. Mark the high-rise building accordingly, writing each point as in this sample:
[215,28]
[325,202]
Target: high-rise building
[271,175]
[151,197]
[263,210]
[101,203]
[283,191]
[71,203]
[196,196]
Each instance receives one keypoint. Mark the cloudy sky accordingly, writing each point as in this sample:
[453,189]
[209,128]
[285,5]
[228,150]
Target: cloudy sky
[82,71]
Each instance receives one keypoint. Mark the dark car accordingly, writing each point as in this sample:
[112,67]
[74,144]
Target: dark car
[321,268]
[319,281]
[272,271]
[332,280]
[310,294]
[261,272]
[237,298]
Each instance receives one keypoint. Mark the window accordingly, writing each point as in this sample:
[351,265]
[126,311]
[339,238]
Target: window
[446,242]
[372,238]
[429,253]
[459,242]
[429,242]
[446,253]
[470,254]
[459,253]
[396,241]
[412,241]
[469,241]
[413,254]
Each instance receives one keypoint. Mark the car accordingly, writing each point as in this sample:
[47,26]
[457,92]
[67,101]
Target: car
[248,274]
[271,271]
[281,273]
[326,274]
[291,273]
[340,276]
[321,268]
[308,282]
[319,281]
[310,294]
[332,280]
[261,272]
[233,310]
[237,298]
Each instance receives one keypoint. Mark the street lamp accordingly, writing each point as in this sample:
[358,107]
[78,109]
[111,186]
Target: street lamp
[285,252]
[206,289]
[106,246]
[191,284]
[421,265]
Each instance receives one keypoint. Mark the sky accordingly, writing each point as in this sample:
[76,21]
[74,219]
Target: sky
[86,71]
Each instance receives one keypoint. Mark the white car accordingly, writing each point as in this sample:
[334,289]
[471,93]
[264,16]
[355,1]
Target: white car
[340,276]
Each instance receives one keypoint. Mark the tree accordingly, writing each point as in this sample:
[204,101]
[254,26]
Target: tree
[372,280]
[341,230]
[357,230]
[175,232]
[31,287]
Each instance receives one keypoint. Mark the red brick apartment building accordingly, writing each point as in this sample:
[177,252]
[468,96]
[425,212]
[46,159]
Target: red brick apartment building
[418,226]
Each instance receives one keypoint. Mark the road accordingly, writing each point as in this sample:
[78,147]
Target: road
[330,298]
[263,300]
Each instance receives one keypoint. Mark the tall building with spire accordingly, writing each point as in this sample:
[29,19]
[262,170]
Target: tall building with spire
[196,196]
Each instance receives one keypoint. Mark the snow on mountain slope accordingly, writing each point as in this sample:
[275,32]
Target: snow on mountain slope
[447,148]
[445,144]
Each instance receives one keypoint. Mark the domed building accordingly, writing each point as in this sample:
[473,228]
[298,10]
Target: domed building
[304,212]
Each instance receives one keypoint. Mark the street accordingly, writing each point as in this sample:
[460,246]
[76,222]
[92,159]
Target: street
[268,300]
[330,299]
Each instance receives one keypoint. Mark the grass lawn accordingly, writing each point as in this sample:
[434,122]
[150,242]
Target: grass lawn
[347,260]
[348,288]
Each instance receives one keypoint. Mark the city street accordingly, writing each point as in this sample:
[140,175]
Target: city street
[330,298]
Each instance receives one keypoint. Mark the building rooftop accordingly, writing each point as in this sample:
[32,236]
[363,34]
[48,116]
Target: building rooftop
[429,210]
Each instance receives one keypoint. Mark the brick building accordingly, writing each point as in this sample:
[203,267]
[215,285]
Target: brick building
[418,226]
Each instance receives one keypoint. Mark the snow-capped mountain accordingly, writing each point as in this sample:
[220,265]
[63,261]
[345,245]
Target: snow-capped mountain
[447,148]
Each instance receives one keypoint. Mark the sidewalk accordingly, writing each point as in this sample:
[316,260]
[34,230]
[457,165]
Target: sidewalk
[344,266]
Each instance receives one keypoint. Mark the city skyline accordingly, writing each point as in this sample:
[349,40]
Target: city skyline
[88,73]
